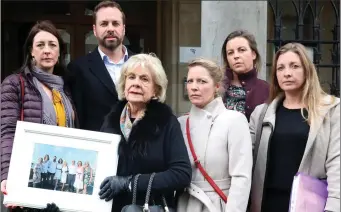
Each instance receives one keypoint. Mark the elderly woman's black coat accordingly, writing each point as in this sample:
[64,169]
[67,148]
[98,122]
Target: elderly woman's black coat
[156,145]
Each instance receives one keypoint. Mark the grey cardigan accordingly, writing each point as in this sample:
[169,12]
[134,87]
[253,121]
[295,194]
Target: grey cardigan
[321,157]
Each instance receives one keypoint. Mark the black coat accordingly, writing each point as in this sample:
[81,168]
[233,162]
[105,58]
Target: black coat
[156,145]
[92,89]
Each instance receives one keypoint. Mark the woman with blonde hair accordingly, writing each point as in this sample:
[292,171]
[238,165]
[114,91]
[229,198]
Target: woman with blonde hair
[79,177]
[299,132]
[151,139]
[65,171]
[152,152]
[88,180]
[220,139]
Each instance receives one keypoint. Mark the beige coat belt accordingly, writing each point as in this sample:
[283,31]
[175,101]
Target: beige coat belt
[197,189]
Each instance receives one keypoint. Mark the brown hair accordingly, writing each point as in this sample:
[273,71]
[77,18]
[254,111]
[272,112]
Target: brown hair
[252,43]
[213,69]
[105,4]
[311,91]
[47,26]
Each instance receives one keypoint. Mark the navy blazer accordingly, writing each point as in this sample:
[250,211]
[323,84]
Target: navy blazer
[92,89]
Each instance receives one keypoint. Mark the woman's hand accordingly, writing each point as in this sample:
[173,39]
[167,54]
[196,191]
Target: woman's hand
[4,191]
[111,186]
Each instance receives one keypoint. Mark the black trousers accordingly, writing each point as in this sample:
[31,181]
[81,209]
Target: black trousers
[71,180]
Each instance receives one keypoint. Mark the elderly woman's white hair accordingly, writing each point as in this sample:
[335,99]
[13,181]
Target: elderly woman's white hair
[151,63]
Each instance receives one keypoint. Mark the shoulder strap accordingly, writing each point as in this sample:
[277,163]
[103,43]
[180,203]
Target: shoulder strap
[259,133]
[199,166]
[22,90]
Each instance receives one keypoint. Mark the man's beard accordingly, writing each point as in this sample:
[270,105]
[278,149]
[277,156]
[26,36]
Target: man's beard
[111,44]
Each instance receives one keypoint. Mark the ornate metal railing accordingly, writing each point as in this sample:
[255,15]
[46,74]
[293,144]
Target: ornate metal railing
[302,8]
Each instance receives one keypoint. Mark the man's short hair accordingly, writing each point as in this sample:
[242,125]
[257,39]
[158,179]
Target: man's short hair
[105,4]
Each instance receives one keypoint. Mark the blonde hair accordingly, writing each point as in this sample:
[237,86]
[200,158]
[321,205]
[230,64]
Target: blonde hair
[151,63]
[311,92]
[213,69]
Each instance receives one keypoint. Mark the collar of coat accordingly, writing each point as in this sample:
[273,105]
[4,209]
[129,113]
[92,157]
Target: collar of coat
[249,78]
[157,116]
[328,103]
[211,111]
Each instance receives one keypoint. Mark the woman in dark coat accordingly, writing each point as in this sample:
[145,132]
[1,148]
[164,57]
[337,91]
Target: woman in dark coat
[151,138]
[242,62]
[41,97]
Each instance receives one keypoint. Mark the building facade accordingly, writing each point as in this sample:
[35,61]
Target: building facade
[179,30]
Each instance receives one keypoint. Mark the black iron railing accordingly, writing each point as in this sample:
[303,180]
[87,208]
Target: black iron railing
[314,7]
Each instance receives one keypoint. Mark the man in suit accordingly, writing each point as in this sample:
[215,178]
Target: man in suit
[93,77]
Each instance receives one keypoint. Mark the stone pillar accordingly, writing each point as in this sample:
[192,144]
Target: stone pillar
[219,18]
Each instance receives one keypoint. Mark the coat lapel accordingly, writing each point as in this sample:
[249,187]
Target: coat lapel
[269,125]
[310,143]
[305,165]
[98,68]
[199,129]
[261,161]
[201,121]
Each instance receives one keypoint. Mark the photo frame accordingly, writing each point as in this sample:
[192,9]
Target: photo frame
[32,141]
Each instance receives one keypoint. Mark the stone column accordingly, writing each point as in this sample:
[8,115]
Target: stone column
[219,18]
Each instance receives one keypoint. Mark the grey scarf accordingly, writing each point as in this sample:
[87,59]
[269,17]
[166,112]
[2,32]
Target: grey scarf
[53,82]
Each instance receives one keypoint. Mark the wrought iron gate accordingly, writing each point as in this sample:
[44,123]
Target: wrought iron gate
[302,9]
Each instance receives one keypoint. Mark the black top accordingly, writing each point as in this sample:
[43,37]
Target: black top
[286,149]
[132,119]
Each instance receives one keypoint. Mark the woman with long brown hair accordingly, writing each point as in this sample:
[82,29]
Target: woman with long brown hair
[300,133]
[36,93]
[242,63]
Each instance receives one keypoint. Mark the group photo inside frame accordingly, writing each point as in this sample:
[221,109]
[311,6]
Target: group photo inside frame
[61,165]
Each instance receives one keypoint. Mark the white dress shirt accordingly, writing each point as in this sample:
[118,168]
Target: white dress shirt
[114,69]
[72,169]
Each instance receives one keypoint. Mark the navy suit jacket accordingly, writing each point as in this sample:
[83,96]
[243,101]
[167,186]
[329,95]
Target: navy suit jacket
[92,89]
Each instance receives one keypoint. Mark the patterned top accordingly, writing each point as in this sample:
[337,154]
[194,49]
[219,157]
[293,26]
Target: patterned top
[37,170]
[87,176]
[235,98]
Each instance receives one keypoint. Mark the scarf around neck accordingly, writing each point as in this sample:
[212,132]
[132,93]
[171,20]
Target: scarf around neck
[58,111]
[125,123]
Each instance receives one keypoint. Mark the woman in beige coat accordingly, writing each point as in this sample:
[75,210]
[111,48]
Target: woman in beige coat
[300,133]
[222,142]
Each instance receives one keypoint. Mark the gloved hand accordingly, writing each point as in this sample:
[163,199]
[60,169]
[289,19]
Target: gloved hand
[51,208]
[113,185]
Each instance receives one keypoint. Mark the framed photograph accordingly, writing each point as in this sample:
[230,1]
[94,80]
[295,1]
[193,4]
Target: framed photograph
[61,165]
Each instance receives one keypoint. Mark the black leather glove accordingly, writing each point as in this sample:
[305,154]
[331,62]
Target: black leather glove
[51,208]
[113,185]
